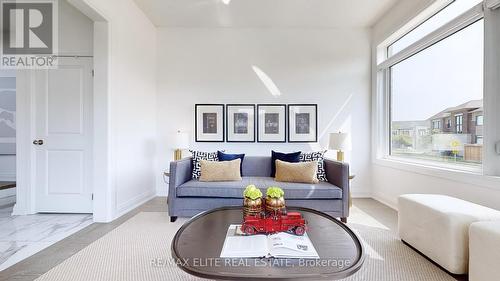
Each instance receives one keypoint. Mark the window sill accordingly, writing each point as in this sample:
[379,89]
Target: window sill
[449,172]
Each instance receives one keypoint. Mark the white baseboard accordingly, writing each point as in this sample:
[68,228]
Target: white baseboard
[161,187]
[134,202]
[360,191]
[361,194]
[382,198]
[20,210]
[162,193]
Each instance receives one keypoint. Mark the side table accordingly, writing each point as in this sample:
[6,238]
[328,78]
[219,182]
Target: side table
[166,174]
[351,177]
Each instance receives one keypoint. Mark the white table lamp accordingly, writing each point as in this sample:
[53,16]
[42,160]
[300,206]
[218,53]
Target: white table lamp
[340,142]
[181,143]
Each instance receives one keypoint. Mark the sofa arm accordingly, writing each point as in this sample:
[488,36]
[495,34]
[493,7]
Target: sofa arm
[180,172]
[337,174]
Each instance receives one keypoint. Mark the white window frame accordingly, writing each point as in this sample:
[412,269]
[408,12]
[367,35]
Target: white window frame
[381,102]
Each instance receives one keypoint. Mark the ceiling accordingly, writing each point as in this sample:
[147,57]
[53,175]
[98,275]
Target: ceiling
[264,13]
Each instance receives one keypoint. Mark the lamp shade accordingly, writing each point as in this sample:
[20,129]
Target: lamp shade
[339,141]
[181,140]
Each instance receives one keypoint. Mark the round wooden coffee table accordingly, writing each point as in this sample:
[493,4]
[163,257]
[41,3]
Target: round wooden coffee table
[198,243]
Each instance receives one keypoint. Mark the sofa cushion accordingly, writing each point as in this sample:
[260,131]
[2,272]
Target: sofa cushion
[220,170]
[321,190]
[256,166]
[200,155]
[293,157]
[319,157]
[304,172]
[229,157]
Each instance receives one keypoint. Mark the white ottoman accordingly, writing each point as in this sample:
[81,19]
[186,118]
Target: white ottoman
[438,226]
[484,251]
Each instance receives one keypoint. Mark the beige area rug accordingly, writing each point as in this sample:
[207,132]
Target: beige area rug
[127,252]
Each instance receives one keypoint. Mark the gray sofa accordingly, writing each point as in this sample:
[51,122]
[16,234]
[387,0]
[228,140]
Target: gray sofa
[188,197]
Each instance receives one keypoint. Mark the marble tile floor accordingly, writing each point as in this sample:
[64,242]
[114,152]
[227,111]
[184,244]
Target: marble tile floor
[23,236]
[9,200]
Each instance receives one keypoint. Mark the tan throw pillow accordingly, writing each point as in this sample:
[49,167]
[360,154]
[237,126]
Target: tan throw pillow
[304,172]
[220,171]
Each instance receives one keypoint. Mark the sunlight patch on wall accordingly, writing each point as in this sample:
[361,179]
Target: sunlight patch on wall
[268,82]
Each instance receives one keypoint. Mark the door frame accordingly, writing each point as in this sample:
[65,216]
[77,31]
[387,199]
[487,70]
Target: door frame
[25,164]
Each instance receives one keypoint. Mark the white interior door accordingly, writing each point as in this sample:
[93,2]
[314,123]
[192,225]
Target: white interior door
[63,137]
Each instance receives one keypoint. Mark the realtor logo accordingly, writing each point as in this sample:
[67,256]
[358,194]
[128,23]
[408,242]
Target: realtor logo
[29,33]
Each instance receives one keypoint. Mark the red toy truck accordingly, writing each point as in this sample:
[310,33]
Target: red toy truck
[291,222]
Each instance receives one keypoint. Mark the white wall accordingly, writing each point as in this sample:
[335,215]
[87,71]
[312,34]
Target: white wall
[390,182]
[76,31]
[131,106]
[330,67]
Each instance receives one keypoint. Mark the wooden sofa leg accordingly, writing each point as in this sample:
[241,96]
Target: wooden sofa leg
[344,220]
[173,219]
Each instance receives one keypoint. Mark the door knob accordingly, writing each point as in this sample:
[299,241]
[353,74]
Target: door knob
[38,142]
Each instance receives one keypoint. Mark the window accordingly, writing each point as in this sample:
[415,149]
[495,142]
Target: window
[452,10]
[459,123]
[479,120]
[448,123]
[479,139]
[434,85]
[436,124]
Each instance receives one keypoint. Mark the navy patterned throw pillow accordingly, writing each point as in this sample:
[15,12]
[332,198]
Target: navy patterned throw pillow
[197,157]
[318,156]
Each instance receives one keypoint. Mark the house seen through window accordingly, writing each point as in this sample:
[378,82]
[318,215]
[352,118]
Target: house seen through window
[437,97]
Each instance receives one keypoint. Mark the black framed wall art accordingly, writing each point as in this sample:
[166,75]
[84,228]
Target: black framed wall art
[209,122]
[302,123]
[271,123]
[240,122]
